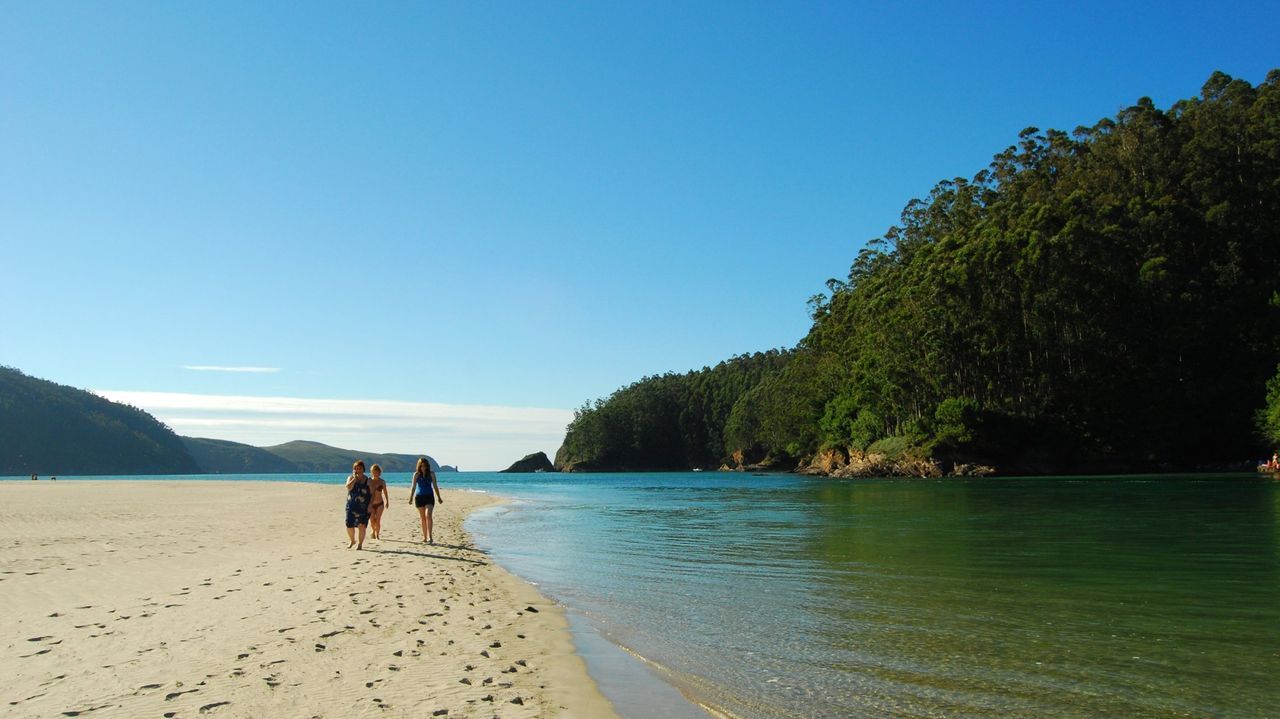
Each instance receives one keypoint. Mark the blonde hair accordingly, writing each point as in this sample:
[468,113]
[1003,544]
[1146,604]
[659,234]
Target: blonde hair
[375,469]
[423,469]
[358,463]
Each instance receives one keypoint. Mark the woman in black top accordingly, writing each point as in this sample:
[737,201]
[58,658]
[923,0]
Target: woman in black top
[424,481]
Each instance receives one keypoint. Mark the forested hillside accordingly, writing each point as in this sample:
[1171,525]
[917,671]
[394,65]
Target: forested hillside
[51,429]
[1105,298]
[665,422]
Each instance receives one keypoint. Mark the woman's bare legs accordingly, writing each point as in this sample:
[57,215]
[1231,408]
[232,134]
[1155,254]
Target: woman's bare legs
[422,519]
[375,520]
[361,544]
[430,536]
[351,537]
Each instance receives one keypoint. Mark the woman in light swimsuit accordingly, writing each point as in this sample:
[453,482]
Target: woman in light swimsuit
[358,496]
[424,481]
[380,501]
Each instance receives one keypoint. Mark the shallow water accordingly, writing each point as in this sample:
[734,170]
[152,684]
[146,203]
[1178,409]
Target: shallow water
[791,597]
[780,596]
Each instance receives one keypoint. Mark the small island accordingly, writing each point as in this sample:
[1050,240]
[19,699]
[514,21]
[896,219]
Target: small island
[536,462]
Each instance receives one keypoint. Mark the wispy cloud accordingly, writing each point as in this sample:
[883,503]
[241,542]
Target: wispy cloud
[218,368]
[473,436]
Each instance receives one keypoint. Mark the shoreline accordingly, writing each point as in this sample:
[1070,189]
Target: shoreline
[190,597]
[635,684]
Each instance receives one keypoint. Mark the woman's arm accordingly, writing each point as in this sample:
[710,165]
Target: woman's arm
[386,493]
[413,487]
[434,483]
[351,480]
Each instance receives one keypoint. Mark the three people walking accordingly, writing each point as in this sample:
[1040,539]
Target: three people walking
[368,498]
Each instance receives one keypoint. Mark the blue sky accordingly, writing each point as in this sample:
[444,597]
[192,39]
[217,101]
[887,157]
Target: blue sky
[502,204]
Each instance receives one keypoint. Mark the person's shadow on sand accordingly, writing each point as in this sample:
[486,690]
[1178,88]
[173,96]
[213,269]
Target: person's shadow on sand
[424,554]
[418,543]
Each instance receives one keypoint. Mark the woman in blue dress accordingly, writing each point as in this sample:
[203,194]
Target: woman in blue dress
[424,481]
[358,496]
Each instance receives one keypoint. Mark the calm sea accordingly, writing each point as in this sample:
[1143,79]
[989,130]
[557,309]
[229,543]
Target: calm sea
[780,596]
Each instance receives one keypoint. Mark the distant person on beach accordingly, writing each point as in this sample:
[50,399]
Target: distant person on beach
[358,496]
[34,478]
[424,481]
[380,501]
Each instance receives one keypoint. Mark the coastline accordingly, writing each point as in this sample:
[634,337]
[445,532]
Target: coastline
[181,598]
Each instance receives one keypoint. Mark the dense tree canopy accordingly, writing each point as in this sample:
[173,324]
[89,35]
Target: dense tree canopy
[1100,298]
[665,422]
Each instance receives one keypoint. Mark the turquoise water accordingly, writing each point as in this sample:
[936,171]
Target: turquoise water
[780,596]
[791,597]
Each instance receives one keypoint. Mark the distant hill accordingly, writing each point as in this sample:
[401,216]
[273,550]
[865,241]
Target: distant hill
[51,429]
[219,456]
[316,457]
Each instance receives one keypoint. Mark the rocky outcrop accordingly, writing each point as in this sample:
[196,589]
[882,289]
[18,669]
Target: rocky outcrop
[836,462]
[972,470]
[563,463]
[536,462]
[741,461]
[825,463]
[855,463]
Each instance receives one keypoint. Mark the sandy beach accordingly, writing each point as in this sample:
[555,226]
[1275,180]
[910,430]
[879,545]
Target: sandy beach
[207,598]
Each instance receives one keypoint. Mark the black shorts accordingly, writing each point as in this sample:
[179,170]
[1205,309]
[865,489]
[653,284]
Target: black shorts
[422,500]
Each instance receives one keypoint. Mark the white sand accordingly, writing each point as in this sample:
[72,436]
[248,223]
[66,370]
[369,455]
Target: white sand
[206,598]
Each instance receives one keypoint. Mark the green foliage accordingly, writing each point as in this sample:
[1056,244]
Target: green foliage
[779,415]
[1099,298]
[895,448]
[51,429]
[666,421]
[1268,418]
[956,422]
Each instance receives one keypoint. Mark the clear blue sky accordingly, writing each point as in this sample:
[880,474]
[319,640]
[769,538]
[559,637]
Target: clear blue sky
[507,204]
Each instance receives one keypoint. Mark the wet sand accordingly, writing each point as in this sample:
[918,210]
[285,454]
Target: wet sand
[206,598]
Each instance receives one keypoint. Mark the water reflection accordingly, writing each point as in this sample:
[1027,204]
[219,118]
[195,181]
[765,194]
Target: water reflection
[782,596]
[1064,598]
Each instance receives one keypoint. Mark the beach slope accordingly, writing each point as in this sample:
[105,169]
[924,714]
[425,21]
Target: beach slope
[207,598]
